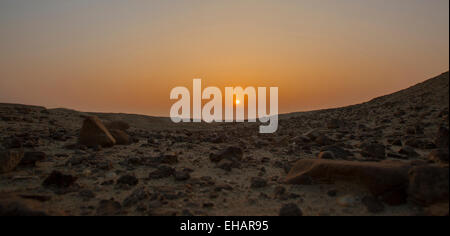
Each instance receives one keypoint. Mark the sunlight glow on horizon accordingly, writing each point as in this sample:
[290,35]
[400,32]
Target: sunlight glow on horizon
[126,56]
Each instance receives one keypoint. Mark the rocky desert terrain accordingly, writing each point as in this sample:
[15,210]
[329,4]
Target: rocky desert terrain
[388,156]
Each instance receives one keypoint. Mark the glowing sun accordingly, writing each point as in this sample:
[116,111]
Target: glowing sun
[237,102]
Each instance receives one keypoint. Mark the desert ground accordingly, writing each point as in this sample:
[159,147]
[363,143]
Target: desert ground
[388,156]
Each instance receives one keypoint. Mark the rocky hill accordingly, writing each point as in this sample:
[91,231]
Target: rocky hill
[388,156]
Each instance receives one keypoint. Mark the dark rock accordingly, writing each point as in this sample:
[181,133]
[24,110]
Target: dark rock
[226,165]
[136,196]
[332,193]
[221,187]
[120,136]
[409,152]
[397,142]
[397,156]
[374,150]
[109,208]
[9,160]
[279,191]
[163,171]
[324,140]
[326,155]
[380,178]
[290,209]
[128,180]
[313,134]
[229,153]
[86,194]
[420,143]
[94,133]
[30,158]
[59,180]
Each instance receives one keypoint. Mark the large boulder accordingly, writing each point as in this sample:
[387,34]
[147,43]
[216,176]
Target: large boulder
[120,136]
[388,180]
[94,133]
[9,160]
[428,185]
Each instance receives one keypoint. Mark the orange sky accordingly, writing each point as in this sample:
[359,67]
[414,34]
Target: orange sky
[126,56]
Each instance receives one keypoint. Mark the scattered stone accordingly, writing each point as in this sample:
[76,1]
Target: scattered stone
[163,171]
[181,175]
[59,180]
[229,153]
[136,196]
[313,134]
[94,133]
[258,182]
[9,160]
[324,140]
[290,209]
[86,194]
[397,142]
[279,191]
[169,159]
[30,158]
[228,158]
[420,143]
[409,152]
[374,150]
[397,156]
[221,187]
[226,165]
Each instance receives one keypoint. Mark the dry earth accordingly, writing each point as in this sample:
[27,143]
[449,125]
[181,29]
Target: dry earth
[388,156]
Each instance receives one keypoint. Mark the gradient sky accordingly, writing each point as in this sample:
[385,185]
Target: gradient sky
[126,56]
